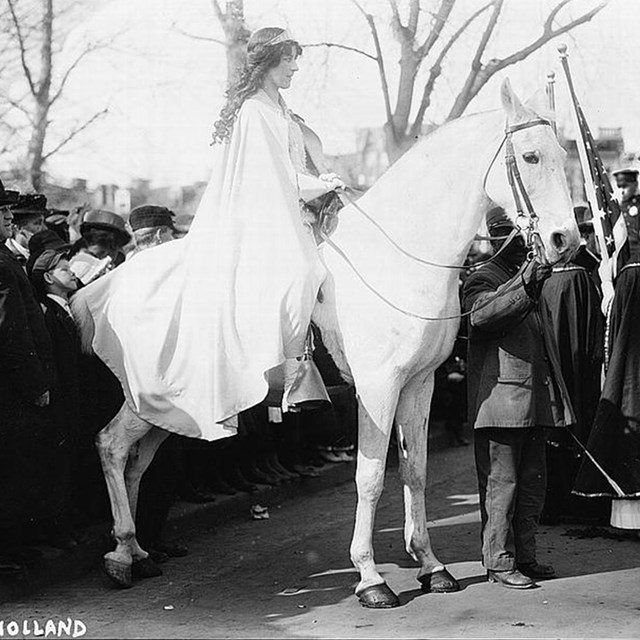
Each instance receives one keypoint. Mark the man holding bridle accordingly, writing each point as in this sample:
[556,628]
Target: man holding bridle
[514,392]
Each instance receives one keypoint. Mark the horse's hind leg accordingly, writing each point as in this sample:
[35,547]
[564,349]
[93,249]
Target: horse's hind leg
[140,457]
[114,443]
[373,443]
[412,421]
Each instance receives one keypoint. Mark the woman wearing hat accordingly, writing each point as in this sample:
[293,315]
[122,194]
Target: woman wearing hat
[202,320]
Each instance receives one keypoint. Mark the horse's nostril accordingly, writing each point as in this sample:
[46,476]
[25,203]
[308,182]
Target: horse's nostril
[559,241]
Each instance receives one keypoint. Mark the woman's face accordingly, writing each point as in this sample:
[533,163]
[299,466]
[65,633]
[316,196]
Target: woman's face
[280,76]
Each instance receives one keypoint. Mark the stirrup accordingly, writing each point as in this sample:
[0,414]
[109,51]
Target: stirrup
[308,390]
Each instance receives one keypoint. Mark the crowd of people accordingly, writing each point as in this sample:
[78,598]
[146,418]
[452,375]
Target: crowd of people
[54,398]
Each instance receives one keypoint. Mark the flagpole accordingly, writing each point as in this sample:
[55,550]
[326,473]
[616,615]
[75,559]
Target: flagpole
[605,268]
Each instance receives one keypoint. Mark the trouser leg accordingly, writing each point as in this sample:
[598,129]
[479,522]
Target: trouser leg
[532,482]
[497,454]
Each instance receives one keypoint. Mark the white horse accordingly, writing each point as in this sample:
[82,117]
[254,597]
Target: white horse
[388,320]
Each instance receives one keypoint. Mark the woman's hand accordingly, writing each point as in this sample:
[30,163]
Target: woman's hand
[333,181]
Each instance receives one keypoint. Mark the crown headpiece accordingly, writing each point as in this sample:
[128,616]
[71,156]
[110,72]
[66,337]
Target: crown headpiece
[285,36]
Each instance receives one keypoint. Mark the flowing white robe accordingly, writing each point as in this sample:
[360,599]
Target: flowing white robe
[191,327]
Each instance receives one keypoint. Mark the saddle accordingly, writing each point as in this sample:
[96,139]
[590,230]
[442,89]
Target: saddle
[322,214]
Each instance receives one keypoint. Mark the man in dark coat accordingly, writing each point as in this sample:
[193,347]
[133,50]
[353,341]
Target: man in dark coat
[26,377]
[513,394]
[54,283]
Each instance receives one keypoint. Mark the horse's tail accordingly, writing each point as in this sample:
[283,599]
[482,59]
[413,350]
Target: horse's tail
[84,321]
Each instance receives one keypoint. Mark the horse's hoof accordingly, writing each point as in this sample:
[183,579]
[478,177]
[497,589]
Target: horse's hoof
[145,568]
[379,596]
[118,572]
[439,582]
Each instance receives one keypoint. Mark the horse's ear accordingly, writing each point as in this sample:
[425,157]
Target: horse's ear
[511,103]
[539,104]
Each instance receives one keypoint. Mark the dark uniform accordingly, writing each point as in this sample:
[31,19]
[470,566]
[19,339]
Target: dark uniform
[615,438]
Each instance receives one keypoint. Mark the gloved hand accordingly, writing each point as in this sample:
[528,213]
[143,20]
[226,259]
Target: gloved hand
[534,275]
[333,181]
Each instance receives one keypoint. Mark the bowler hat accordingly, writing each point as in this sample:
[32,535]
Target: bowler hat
[107,220]
[44,241]
[29,205]
[7,197]
[151,215]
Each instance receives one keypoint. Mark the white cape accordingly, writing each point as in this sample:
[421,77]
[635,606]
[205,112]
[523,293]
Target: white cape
[191,327]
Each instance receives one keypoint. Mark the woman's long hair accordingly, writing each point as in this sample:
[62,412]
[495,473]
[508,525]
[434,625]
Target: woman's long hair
[261,56]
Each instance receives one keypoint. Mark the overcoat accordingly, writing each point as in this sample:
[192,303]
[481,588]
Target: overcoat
[26,372]
[514,377]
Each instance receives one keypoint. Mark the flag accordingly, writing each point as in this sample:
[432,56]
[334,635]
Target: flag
[606,212]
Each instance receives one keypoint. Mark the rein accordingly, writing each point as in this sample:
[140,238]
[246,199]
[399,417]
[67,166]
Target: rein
[518,190]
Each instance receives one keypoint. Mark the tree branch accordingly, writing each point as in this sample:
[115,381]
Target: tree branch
[194,36]
[436,70]
[217,9]
[22,47]
[74,133]
[379,59]
[482,75]
[440,19]
[340,46]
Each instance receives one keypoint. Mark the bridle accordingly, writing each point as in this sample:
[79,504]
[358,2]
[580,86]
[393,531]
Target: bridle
[533,239]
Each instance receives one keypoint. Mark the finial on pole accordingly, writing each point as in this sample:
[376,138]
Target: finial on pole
[551,77]
[562,50]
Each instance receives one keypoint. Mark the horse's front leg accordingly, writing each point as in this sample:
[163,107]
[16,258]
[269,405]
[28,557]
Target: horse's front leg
[412,422]
[373,443]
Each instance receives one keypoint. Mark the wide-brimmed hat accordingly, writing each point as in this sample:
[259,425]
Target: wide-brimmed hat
[7,197]
[151,215]
[107,220]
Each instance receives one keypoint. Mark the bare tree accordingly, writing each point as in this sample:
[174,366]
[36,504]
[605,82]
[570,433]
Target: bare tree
[418,50]
[32,51]
[236,34]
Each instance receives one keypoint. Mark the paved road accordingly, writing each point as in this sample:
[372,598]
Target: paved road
[290,577]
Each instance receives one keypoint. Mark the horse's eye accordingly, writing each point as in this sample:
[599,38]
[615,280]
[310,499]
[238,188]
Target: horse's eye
[531,157]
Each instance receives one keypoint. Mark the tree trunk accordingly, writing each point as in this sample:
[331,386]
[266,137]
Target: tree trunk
[42,99]
[236,37]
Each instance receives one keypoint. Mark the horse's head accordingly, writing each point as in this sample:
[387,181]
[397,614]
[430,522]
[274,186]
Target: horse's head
[537,170]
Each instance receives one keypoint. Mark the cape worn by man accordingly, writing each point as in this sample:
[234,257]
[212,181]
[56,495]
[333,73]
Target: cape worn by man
[192,326]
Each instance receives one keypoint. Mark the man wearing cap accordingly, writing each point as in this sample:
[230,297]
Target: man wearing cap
[54,282]
[26,377]
[28,218]
[513,394]
[100,248]
[152,225]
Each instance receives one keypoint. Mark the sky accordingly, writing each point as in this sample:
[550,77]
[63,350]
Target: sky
[164,89]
